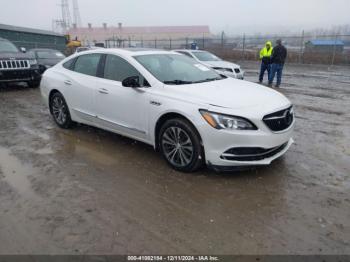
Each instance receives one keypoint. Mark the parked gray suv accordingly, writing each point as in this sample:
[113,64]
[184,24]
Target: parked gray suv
[17,66]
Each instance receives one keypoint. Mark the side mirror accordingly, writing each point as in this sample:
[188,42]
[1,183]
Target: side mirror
[132,81]
[23,49]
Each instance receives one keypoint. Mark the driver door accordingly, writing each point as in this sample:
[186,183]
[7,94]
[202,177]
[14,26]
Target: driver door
[119,108]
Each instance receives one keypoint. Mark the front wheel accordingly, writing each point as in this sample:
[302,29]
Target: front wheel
[180,145]
[60,111]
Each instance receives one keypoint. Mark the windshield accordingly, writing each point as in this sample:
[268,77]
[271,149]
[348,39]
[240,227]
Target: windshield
[6,46]
[50,54]
[206,56]
[177,69]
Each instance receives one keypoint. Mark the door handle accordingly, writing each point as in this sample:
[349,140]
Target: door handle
[103,91]
[68,82]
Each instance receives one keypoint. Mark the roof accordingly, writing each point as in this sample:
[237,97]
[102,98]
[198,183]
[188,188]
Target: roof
[129,51]
[27,30]
[190,50]
[327,42]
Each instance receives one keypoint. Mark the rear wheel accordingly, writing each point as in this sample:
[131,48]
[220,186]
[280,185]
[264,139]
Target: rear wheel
[180,145]
[60,111]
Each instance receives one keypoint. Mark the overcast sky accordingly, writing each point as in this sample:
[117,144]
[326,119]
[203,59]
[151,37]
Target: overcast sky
[233,16]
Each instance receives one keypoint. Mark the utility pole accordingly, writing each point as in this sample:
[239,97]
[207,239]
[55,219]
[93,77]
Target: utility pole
[66,18]
[76,14]
[64,24]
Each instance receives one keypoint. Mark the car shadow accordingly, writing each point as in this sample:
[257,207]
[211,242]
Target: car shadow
[109,143]
[13,87]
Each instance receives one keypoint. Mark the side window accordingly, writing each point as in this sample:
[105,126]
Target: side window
[68,64]
[185,53]
[87,64]
[117,69]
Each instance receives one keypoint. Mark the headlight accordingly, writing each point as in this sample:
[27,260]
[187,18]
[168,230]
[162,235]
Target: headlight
[33,62]
[221,121]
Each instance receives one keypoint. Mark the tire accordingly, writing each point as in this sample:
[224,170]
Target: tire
[34,84]
[60,111]
[180,145]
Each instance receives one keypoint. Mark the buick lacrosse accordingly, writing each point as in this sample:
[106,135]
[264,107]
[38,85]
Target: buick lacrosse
[187,111]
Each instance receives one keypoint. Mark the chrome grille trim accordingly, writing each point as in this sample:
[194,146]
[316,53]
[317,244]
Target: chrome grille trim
[14,64]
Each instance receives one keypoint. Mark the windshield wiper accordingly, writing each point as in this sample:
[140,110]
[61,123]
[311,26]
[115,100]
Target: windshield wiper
[177,82]
[209,80]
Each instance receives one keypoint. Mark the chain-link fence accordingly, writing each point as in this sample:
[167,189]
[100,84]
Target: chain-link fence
[308,49]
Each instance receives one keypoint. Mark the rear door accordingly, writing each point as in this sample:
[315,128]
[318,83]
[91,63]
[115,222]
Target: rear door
[81,86]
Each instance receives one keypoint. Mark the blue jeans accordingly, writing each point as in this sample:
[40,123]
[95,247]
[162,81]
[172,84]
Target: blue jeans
[263,68]
[276,68]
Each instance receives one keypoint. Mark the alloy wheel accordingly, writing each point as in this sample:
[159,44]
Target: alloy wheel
[59,110]
[177,146]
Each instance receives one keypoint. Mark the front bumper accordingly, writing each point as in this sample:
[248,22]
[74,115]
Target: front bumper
[19,75]
[241,165]
[217,142]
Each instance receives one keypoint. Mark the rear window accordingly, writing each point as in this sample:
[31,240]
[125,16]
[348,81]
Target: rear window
[87,64]
[69,64]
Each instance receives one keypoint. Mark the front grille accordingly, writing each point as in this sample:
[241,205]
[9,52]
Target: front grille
[14,64]
[251,153]
[237,71]
[280,120]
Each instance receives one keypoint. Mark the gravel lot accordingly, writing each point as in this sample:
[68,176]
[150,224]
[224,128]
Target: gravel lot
[88,191]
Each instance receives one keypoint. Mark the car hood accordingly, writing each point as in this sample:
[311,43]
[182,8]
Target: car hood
[230,94]
[223,64]
[15,55]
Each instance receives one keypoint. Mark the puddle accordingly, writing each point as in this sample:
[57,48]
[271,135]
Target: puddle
[44,151]
[15,173]
[35,133]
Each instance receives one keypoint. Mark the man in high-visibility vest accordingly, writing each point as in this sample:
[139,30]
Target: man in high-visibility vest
[265,57]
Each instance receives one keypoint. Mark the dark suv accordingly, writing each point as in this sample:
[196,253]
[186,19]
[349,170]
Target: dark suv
[17,66]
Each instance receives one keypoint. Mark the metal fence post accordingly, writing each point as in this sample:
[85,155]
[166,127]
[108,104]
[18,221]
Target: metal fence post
[170,43]
[155,43]
[243,47]
[334,49]
[203,41]
[129,40]
[222,40]
[186,42]
[301,53]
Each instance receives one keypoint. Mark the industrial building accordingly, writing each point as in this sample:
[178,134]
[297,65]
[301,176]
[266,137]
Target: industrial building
[32,38]
[322,45]
[92,34]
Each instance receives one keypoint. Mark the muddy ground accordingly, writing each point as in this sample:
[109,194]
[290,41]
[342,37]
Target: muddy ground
[87,191]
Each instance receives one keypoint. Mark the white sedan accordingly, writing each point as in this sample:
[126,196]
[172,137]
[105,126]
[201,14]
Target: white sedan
[222,67]
[185,110]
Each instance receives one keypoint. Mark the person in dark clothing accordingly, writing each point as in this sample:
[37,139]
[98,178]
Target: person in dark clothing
[265,56]
[278,58]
